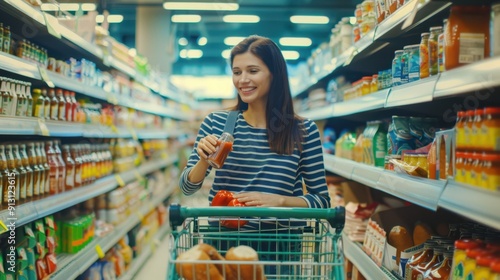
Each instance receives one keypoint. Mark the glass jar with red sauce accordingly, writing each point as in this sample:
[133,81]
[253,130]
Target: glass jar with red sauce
[224,146]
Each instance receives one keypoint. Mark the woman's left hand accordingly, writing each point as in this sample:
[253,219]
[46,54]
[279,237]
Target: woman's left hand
[260,199]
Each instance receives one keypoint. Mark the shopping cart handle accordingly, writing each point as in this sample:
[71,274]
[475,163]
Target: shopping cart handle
[335,216]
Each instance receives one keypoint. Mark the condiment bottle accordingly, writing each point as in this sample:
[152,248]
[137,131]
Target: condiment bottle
[222,150]
[420,269]
[38,171]
[78,165]
[30,180]
[47,104]
[6,98]
[70,167]
[441,271]
[418,258]
[460,254]
[62,166]
[29,100]
[68,107]
[23,174]
[11,164]
[53,163]
[61,111]
[42,161]
[54,105]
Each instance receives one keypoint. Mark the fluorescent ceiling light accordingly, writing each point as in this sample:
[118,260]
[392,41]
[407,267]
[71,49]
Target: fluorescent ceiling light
[233,41]
[183,41]
[291,55]
[295,41]
[185,18]
[202,41]
[226,54]
[193,53]
[215,6]
[241,18]
[111,18]
[49,7]
[310,19]
[69,6]
[88,7]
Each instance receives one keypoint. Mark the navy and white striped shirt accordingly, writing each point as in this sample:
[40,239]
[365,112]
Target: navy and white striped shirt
[252,166]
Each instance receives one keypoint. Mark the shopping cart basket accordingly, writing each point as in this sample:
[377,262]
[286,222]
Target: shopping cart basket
[292,243]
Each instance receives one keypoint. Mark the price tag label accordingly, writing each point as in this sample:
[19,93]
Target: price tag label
[351,57]
[3,227]
[100,252]
[120,181]
[43,127]
[45,77]
[52,25]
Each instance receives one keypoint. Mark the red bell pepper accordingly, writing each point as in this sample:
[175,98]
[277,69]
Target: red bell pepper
[222,198]
[234,223]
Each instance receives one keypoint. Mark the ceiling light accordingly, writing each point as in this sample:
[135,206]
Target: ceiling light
[233,41]
[215,6]
[49,7]
[226,54]
[88,7]
[241,18]
[193,53]
[202,41]
[183,41]
[111,18]
[69,6]
[310,19]
[295,41]
[186,18]
[290,55]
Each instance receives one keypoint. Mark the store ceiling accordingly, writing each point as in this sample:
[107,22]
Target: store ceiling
[274,23]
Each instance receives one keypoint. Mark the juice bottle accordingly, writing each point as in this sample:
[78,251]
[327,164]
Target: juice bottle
[53,163]
[62,166]
[46,103]
[38,104]
[54,105]
[29,100]
[4,170]
[61,107]
[11,164]
[70,167]
[74,106]
[68,107]
[78,165]
[38,171]
[42,161]
[30,183]
[21,100]
[23,174]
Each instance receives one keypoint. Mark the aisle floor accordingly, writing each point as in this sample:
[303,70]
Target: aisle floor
[156,267]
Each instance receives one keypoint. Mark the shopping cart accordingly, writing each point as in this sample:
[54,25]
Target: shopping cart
[292,243]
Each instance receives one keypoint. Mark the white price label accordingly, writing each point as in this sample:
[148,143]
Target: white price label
[52,25]
[45,77]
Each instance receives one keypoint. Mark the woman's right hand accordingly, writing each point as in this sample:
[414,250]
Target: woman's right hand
[206,146]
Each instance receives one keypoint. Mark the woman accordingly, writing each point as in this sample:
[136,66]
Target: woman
[274,150]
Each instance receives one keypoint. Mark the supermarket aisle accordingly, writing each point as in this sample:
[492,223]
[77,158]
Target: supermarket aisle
[156,267]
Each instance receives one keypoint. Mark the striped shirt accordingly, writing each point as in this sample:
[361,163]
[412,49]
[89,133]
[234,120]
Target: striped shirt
[252,166]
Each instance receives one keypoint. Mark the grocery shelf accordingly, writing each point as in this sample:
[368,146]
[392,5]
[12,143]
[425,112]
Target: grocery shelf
[482,75]
[367,267]
[119,65]
[28,212]
[70,266]
[17,125]
[18,66]
[472,202]
[137,264]
[412,93]
[365,103]
[421,191]
[26,9]
[321,113]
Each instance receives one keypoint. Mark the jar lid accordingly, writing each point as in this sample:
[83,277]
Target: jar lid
[478,112]
[464,244]
[398,52]
[425,34]
[461,114]
[486,259]
[491,110]
[469,113]
[475,252]
[435,28]
[490,157]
